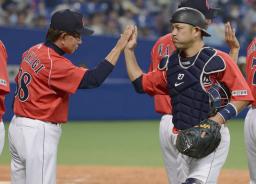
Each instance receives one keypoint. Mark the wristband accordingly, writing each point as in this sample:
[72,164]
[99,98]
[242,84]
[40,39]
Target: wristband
[228,111]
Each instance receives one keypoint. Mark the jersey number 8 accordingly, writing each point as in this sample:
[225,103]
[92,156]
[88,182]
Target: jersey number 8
[23,82]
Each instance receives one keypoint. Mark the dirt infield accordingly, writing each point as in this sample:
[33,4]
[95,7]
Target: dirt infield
[124,175]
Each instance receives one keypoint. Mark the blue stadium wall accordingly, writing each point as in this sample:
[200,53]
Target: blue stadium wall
[114,100]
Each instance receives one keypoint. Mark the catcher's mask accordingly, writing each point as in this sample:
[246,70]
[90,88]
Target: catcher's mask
[219,97]
[192,17]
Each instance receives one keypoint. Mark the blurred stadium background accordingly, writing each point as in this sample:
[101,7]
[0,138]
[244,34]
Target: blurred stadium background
[103,129]
[109,17]
[24,23]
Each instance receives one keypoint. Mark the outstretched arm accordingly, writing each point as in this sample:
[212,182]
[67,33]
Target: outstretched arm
[95,77]
[232,42]
[113,56]
[152,83]
[133,69]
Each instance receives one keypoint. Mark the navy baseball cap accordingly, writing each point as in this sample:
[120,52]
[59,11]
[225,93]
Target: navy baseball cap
[201,5]
[70,22]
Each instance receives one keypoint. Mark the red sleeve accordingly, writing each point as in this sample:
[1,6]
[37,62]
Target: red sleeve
[65,76]
[251,68]
[155,83]
[154,58]
[163,46]
[234,80]
[150,69]
[4,79]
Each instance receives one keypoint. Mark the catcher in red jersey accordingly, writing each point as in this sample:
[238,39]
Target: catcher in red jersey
[250,120]
[4,90]
[45,81]
[164,47]
[189,73]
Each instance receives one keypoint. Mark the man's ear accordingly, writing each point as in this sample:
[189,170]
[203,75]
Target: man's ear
[197,32]
[63,35]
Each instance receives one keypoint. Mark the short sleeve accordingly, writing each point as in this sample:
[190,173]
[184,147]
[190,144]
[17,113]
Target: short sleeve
[4,79]
[234,80]
[155,83]
[64,76]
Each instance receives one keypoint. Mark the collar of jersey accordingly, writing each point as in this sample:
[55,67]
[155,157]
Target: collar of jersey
[54,47]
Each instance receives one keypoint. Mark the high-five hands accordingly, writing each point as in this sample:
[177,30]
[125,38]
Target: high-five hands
[133,39]
[113,56]
[125,37]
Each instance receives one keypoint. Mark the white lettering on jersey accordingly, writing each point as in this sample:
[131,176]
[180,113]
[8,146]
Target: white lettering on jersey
[33,61]
[3,82]
[240,93]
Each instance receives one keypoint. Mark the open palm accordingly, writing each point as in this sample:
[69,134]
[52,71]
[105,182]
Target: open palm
[133,40]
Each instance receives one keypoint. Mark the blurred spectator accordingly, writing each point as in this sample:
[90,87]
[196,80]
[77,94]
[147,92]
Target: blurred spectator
[217,30]
[98,23]
[112,24]
[111,16]
[40,22]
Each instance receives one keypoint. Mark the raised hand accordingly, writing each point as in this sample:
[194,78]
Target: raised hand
[133,40]
[125,36]
[230,37]
[231,40]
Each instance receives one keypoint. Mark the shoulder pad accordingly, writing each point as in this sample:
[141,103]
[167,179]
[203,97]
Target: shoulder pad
[216,64]
[163,63]
[209,51]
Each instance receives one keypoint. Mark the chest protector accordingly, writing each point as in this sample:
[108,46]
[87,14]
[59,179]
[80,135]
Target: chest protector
[190,101]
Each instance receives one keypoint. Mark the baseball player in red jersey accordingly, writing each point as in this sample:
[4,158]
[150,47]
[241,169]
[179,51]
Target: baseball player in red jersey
[163,47]
[188,74]
[4,90]
[45,81]
[250,120]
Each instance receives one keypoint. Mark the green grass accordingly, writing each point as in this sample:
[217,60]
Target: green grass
[133,143]
[130,143]
[237,153]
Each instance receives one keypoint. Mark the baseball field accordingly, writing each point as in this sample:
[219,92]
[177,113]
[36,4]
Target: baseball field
[125,152]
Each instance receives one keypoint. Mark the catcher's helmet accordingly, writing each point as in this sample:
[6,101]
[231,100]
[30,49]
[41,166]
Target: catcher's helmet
[191,16]
[203,6]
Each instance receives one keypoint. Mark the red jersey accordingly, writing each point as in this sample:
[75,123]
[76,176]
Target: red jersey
[155,82]
[44,83]
[4,80]
[251,68]
[164,46]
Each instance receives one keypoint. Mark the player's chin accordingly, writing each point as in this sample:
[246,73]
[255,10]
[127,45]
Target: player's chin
[76,47]
[178,45]
[71,51]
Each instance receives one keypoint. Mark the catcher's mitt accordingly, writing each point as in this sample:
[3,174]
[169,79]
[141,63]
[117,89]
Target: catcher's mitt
[199,141]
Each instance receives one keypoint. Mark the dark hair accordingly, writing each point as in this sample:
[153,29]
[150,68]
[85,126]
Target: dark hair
[52,34]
